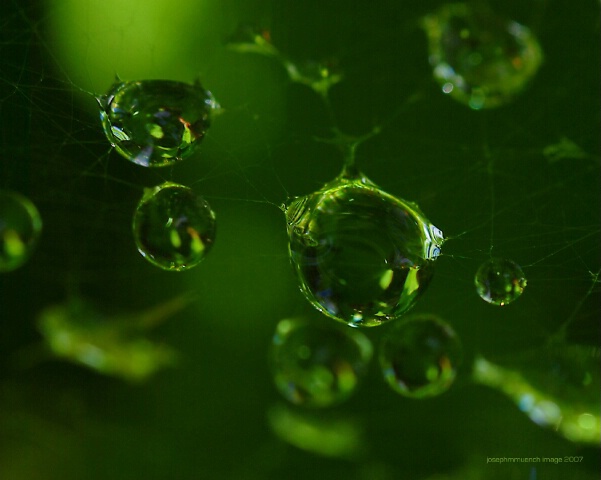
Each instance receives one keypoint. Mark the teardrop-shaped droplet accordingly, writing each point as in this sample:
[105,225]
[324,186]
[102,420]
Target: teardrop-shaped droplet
[419,356]
[500,281]
[558,387]
[361,255]
[155,123]
[318,365]
[173,227]
[480,58]
[20,228]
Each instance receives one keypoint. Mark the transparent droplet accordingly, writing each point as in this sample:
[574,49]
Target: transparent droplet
[20,228]
[500,281]
[361,255]
[155,123]
[419,356]
[318,365]
[480,58]
[557,387]
[116,346]
[173,227]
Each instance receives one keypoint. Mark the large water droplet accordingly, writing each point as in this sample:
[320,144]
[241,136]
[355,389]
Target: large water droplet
[500,281]
[20,228]
[480,58]
[419,356]
[361,255]
[155,123]
[317,365]
[173,227]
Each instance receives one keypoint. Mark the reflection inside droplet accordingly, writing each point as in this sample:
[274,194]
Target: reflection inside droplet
[316,364]
[419,356]
[500,281]
[362,256]
[155,123]
[173,227]
[480,58]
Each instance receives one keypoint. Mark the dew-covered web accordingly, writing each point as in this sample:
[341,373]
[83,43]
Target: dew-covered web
[520,182]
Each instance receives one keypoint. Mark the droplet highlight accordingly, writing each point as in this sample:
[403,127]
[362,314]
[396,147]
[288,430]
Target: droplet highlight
[317,365]
[361,255]
[419,356]
[156,123]
[500,281]
[480,59]
[173,228]
[20,228]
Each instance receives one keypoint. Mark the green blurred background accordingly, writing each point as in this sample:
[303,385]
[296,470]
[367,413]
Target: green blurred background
[482,177]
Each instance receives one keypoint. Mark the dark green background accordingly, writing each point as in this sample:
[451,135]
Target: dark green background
[474,174]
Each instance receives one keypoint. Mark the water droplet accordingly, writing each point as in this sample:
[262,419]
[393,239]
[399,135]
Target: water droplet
[317,365]
[155,123]
[480,58]
[361,255]
[173,227]
[20,228]
[500,281]
[419,356]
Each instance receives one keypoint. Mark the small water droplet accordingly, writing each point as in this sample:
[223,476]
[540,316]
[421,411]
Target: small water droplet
[20,228]
[500,281]
[173,227]
[361,255]
[419,356]
[155,123]
[317,365]
[480,58]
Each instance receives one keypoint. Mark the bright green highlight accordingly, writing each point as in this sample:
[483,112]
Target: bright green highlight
[155,123]
[500,281]
[557,387]
[419,356]
[328,437]
[480,58]
[114,346]
[316,364]
[20,228]
[173,227]
[362,256]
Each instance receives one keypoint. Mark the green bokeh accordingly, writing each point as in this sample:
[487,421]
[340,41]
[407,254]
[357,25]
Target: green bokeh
[521,182]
